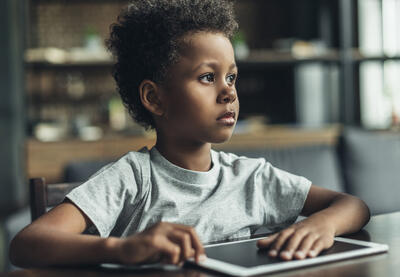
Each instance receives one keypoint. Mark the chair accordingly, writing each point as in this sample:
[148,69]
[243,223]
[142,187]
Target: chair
[44,196]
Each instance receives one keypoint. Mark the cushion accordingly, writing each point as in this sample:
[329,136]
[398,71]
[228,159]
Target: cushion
[80,171]
[371,167]
[318,163]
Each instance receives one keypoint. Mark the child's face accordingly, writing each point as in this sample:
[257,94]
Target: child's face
[201,103]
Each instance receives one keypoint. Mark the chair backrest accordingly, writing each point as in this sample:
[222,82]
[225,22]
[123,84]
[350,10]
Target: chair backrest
[44,196]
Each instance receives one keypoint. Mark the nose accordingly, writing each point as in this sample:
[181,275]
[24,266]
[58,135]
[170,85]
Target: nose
[227,95]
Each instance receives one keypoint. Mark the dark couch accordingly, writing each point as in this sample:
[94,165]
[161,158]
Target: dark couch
[362,163]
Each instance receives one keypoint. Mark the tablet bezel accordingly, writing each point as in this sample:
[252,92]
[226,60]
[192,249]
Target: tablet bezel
[235,270]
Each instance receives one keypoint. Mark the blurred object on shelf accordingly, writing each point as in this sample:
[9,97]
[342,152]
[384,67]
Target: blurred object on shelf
[84,126]
[304,49]
[240,46]
[300,48]
[63,93]
[90,133]
[117,115]
[75,85]
[74,55]
[79,121]
[48,132]
[83,54]
[47,54]
[92,40]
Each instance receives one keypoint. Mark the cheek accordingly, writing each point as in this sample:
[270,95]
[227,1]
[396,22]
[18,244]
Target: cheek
[194,100]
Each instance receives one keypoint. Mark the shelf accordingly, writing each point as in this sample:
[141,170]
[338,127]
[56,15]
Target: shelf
[359,58]
[256,57]
[74,57]
[262,57]
[87,97]
[275,57]
[86,63]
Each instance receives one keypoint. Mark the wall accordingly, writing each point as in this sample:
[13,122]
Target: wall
[12,117]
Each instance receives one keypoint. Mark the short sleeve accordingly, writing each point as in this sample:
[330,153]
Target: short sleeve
[283,195]
[107,192]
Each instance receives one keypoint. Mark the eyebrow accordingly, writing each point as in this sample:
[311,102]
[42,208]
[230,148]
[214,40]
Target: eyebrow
[213,64]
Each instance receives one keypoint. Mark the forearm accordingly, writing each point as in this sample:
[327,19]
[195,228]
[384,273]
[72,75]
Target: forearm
[45,247]
[346,214]
[329,214]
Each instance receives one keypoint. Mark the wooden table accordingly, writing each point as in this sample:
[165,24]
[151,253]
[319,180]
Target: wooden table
[382,228]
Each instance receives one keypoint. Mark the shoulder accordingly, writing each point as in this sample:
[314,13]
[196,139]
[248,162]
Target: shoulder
[135,156]
[227,159]
[131,165]
[133,159]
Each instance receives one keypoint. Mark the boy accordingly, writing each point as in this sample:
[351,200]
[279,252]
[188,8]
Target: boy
[176,73]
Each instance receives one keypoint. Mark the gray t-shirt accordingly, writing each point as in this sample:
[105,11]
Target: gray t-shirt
[233,199]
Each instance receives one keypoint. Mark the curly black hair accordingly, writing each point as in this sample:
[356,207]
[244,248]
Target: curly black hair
[147,37]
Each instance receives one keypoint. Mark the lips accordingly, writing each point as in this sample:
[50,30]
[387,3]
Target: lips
[225,115]
[227,119]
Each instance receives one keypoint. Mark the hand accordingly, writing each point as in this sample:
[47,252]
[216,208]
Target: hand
[166,242]
[304,239]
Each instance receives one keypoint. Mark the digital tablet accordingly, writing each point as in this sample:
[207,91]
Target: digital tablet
[243,258]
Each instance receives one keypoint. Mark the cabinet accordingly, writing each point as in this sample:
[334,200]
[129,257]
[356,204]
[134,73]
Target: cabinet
[341,59]
[70,89]
[303,66]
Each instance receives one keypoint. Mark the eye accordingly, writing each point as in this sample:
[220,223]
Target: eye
[207,78]
[231,79]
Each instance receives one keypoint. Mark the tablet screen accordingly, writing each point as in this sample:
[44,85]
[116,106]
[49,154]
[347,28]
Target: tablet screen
[247,254]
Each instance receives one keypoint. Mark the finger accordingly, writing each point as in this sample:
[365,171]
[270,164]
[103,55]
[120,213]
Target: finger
[184,241]
[316,248]
[305,246]
[266,242]
[141,248]
[195,240]
[171,252]
[280,241]
[292,244]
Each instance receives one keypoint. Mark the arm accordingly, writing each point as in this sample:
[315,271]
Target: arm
[56,239]
[329,214]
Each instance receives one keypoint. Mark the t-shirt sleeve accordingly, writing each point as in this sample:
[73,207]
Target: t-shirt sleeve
[283,196]
[105,194]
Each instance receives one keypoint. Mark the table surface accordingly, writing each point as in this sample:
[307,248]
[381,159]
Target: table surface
[382,229]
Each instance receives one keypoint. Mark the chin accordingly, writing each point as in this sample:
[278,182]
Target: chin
[221,138]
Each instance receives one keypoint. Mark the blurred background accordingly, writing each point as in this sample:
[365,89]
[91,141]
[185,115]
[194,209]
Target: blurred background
[308,68]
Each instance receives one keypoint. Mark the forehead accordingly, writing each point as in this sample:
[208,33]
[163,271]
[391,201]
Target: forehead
[204,47]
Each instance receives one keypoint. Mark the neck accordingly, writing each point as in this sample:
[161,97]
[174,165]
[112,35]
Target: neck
[191,156]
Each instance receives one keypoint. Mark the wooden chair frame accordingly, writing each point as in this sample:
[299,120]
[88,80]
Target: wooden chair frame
[44,196]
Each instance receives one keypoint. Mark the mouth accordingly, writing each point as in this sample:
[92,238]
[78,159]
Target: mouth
[227,118]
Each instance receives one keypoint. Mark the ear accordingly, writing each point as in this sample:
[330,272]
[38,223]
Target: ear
[150,97]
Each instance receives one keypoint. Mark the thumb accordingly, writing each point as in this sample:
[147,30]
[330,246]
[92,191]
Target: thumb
[263,243]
